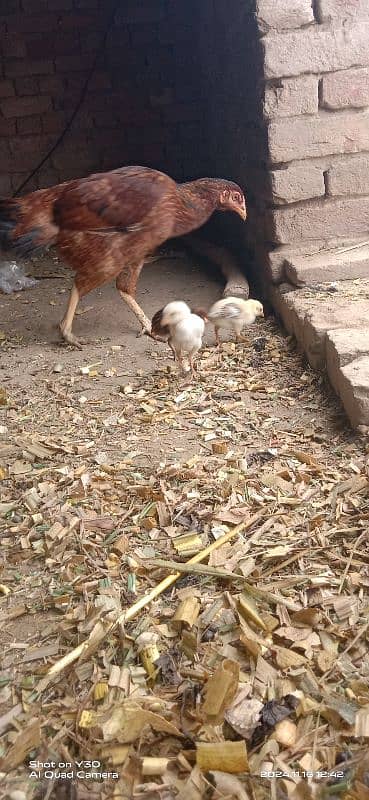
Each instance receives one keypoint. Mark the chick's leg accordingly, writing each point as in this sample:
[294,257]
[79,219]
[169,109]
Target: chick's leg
[67,321]
[192,364]
[239,337]
[179,358]
[172,349]
[126,284]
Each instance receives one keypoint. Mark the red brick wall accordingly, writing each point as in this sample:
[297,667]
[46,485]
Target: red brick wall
[144,105]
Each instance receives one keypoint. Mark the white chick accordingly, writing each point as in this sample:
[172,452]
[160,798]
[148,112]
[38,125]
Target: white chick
[186,330]
[234,313]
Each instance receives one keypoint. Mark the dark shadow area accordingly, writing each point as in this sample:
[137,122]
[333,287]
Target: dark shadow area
[176,86]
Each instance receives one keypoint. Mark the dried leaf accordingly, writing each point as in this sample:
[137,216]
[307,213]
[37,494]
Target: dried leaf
[225,756]
[220,691]
[127,721]
[26,741]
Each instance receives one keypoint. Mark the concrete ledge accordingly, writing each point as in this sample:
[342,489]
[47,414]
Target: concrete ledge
[354,391]
[309,317]
[342,347]
[333,331]
[328,266]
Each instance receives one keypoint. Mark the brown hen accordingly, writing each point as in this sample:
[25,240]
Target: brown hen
[106,225]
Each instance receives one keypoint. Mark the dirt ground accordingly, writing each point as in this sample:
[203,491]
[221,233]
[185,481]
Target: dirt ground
[30,319]
[131,408]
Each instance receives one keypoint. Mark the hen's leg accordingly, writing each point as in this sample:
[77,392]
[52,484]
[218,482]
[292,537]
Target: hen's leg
[126,284]
[67,321]
[217,338]
[138,312]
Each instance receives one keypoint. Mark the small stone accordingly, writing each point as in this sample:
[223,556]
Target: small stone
[285,732]
[58,367]
[17,794]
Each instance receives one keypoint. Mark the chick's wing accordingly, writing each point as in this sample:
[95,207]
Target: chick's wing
[228,311]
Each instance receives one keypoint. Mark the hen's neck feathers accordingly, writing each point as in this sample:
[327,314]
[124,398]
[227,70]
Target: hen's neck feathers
[195,203]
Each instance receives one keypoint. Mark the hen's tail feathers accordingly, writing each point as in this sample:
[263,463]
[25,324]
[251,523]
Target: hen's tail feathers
[26,223]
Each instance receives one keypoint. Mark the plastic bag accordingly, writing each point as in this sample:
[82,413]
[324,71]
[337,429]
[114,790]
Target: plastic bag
[13,279]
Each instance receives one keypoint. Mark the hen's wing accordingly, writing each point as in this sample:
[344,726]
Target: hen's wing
[116,201]
[225,312]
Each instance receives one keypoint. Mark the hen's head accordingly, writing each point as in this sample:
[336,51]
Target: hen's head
[232,198]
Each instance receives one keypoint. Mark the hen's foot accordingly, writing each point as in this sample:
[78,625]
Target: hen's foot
[70,338]
[146,331]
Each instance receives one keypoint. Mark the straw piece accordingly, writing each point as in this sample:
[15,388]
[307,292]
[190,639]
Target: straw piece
[131,612]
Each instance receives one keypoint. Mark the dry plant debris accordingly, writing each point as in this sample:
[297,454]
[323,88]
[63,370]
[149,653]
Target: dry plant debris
[247,674]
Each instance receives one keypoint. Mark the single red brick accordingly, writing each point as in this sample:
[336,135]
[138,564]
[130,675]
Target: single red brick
[30,145]
[83,22]
[10,6]
[40,43]
[27,125]
[75,81]
[66,101]
[34,6]
[13,46]
[51,84]
[47,176]
[74,63]
[182,112]
[7,128]
[54,122]
[53,44]
[17,178]
[86,3]
[30,23]
[15,69]
[90,41]
[106,119]
[59,5]
[26,86]
[25,106]
[5,185]
[7,88]
[100,80]
[83,121]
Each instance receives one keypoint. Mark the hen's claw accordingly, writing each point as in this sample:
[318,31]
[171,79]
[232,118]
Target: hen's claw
[70,338]
[145,332]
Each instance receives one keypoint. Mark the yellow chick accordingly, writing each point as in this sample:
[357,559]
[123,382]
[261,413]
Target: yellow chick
[233,313]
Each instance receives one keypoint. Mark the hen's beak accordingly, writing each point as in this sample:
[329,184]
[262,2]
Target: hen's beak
[241,210]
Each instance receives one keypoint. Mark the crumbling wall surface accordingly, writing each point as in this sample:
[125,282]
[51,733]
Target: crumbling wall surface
[316,111]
